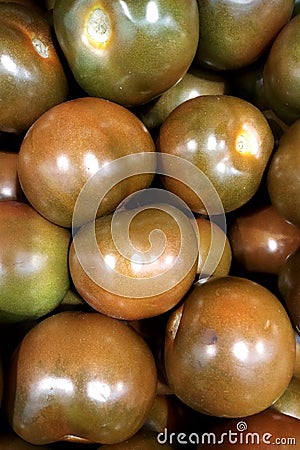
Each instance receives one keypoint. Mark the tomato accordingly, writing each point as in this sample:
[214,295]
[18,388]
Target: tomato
[34,273]
[127,51]
[283,179]
[32,78]
[281,73]
[79,138]
[230,348]
[89,369]
[233,34]
[226,138]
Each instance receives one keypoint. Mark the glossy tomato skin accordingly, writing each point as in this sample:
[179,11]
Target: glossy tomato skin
[283,180]
[93,379]
[225,137]
[34,261]
[69,144]
[129,284]
[10,188]
[32,79]
[207,231]
[261,240]
[281,73]
[225,343]
[234,34]
[197,81]
[127,51]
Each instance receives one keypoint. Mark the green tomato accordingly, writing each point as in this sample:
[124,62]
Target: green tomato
[127,51]
[236,33]
[281,73]
[34,273]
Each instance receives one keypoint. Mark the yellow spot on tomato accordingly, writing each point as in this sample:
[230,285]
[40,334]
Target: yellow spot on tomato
[98,28]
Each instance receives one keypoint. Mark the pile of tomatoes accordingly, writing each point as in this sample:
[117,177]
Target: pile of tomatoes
[149,224]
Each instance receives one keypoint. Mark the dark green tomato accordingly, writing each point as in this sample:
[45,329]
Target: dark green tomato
[127,51]
[268,429]
[247,83]
[34,263]
[281,73]
[233,34]
[32,79]
[225,137]
[289,286]
[230,348]
[283,176]
[261,240]
[296,10]
[289,401]
[80,377]
[196,82]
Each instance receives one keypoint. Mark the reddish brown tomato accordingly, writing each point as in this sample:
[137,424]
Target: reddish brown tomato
[225,343]
[261,431]
[32,79]
[10,188]
[233,34]
[132,279]
[80,377]
[227,139]
[261,240]
[283,177]
[72,142]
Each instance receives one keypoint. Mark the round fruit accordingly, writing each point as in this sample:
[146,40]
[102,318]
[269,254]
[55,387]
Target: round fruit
[127,51]
[227,139]
[34,275]
[261,239]
[230,348]
[93,379]
[281,73]
[71,143]
[32,79]
[139,264]
[283,179]
[234,34]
